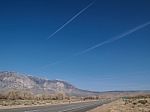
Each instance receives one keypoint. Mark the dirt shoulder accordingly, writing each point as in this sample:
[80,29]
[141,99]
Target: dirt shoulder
[132,104]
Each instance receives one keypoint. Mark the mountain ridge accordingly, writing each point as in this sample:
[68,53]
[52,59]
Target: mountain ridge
[36,85]
[14,80]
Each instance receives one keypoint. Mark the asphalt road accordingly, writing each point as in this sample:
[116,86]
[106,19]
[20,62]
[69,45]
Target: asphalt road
[74,107]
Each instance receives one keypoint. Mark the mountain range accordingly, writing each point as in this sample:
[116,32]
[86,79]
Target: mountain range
[22,82]
[10,81]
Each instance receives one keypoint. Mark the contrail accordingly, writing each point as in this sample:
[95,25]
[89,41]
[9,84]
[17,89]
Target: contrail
[70,20]
[123,35]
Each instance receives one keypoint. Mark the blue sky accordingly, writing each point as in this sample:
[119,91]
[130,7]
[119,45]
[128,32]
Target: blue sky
[124,64]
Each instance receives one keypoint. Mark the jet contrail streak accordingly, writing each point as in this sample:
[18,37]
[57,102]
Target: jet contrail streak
[123,35]
[70,20]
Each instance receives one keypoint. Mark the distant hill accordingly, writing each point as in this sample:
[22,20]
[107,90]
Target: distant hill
[16,81]
[21,82]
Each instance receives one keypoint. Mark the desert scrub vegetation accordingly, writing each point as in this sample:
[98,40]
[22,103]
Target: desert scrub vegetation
[141,99]
[140,103]
[15,97]
[27,98]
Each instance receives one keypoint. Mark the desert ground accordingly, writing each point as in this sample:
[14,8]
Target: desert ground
[129,104]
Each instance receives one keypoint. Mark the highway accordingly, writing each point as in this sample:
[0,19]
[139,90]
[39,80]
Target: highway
[74,107]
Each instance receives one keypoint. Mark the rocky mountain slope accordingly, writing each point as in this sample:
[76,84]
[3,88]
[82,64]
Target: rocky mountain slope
[16,81]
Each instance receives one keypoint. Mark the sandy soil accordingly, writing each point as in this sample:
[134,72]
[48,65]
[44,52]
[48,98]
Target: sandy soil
[129,105]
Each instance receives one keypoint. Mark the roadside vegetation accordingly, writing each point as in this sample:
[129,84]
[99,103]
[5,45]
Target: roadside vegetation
[140,103]
[13,98]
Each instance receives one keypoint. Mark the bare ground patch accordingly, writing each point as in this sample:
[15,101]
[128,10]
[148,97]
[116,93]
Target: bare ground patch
[130,104]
